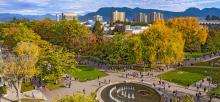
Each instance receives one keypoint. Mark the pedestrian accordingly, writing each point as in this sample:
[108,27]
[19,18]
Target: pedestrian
[204,89]
[105,81]
[99,84]
[197,88]
[174,93]
[109,81]
[84,91]
[171,100]
[200,93]
[169,85]
[70,84]
[154,84]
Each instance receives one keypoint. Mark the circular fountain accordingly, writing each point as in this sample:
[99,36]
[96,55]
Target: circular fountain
[128,92]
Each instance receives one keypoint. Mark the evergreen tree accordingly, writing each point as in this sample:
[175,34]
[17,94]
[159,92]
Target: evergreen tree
[98,30]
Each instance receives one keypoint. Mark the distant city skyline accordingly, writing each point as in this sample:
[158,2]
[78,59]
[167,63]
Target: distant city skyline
[37,7]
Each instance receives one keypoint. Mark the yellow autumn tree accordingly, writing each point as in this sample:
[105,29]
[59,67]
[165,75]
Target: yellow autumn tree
[194,34]
[21,65]
[162,44]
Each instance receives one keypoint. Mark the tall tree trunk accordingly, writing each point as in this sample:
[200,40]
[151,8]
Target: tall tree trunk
[17,85]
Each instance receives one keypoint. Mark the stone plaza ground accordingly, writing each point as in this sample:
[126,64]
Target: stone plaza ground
[173,79]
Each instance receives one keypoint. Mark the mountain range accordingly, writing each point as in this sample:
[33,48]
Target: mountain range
[5,17]
[106,12]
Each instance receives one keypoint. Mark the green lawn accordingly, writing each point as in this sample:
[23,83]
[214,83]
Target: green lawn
[51,86]
[141,69]
[215,91]
[185,76]
[26,87]
[88,73]
[195,54]
[208,63]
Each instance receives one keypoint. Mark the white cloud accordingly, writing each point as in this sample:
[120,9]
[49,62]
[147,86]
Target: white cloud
[82,6]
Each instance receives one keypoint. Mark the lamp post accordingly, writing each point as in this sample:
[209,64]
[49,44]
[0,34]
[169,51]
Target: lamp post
[41,76]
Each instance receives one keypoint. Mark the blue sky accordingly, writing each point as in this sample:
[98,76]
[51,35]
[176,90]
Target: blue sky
[35,7]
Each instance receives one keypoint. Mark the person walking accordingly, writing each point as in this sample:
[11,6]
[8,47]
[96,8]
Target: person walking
[84,91]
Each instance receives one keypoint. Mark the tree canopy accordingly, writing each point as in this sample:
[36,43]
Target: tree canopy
[162,44]
[21,65]
[194,34]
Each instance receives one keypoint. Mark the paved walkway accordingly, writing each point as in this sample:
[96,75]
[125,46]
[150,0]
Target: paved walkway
[12,96]
[91,86]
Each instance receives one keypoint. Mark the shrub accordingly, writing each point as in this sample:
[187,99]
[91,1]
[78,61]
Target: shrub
[4,89]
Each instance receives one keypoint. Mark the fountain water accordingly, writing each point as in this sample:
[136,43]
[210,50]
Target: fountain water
[129,92]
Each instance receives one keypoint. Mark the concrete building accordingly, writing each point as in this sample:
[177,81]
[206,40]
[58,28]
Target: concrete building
[118,16]
[69,16]
[140,17]
[98,18]
[135,29]
[154,16]
[57,17]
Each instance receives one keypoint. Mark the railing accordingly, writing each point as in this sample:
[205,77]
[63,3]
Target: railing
[103,64]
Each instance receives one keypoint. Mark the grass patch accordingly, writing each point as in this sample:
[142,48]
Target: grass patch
[185,76]
[215,91]
[208,63]
[141,69]
[26,87]
[86,73]
[53,86]
[195,54]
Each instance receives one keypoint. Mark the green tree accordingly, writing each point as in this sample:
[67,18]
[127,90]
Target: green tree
[117,50]
[71,34]
[216,77]
[98,30]
[135,49]
[57,62]
[213,42]
[46,29]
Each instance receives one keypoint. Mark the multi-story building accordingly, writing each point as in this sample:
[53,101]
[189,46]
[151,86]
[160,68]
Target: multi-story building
[209,22]
[135,29]
[140,17]
[98,18]
[69,16]
[118,16]
[57,17]
[154,16]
